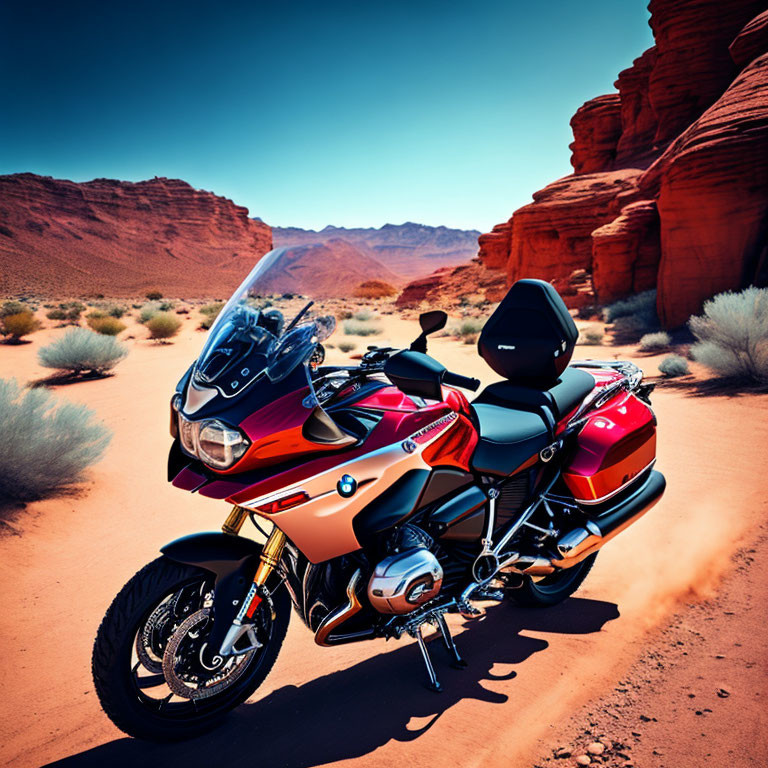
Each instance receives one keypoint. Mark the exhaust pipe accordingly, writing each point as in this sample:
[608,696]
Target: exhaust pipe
[338,616]
[580,543]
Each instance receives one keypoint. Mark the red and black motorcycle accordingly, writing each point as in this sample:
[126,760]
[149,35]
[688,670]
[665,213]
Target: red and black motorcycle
[390,499]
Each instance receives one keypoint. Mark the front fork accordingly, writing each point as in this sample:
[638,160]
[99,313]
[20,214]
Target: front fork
[268,560]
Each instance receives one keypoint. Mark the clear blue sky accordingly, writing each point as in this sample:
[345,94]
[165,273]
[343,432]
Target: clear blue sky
[313,113]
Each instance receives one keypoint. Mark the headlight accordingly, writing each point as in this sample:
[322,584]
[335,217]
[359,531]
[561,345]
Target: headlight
[212,441]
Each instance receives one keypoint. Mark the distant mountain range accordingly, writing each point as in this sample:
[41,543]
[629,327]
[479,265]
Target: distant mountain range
[409,250]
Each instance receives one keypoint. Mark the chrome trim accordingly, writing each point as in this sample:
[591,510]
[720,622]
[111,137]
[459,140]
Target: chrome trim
[338,616]
[591,502]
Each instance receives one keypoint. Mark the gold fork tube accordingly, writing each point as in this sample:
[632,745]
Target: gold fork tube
[235,520]
[270,556]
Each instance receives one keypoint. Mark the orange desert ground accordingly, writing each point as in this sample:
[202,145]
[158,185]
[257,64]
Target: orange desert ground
[658,658]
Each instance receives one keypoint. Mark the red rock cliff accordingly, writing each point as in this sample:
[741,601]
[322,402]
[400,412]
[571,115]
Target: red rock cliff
[120,238]
[670,174]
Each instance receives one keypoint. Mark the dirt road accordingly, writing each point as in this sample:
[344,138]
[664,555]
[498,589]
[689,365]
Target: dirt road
[527,670]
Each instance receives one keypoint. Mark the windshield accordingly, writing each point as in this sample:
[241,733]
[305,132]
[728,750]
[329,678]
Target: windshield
[260,332]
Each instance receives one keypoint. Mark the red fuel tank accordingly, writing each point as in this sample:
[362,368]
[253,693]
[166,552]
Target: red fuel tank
[616,444]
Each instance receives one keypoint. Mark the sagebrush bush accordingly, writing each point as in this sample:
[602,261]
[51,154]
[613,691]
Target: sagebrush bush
[56,314]
[358,328]
[82,351]
[640,305]
[592,335]
[674,365]
[363,315]
[163,325]
[115,310]
[374,289]
[346,346]
[46,444]
[148,311]
[655,342]
[19,324]
[105,324]
[470,326]
[732,335]
[210,312]
[154,295]
[13,308]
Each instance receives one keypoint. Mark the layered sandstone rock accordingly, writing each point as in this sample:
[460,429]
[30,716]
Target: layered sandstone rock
[596,130]
[692,222]
[120,238]
[448,288]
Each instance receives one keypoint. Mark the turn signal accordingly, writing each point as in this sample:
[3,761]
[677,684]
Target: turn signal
[286,502]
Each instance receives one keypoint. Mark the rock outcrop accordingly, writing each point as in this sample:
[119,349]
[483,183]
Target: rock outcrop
[118,238]
[670,180]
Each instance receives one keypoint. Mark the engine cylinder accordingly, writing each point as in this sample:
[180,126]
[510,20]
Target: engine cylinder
[402,582]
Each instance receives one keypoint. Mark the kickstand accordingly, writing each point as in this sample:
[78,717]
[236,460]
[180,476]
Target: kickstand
[457,662]
[433,683]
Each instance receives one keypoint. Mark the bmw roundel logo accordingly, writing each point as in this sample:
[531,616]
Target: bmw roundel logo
[346,486]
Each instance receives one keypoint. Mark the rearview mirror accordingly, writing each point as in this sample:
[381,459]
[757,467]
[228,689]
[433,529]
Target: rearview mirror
[429,322]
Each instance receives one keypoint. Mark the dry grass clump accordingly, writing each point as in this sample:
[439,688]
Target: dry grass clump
[163,325]
[210,312]
[81,351]
[655,342]
[105,324]
[46,444]
[732,335]
[374,289]
[674,365]
[591,336]
[355,327]
[19,324]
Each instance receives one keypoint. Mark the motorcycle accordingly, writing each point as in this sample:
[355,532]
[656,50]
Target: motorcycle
[385,499]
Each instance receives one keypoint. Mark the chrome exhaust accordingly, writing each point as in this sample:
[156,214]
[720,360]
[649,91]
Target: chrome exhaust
[338,616]
[580,543]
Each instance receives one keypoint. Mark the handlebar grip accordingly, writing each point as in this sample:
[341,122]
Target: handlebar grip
[457,380]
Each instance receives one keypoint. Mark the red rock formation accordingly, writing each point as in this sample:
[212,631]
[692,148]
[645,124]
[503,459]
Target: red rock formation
[695,221]
[596,131]
[625,252]
[447,287]
[635,147]
[120,238]
[693,66]
[713,198]
[751,41]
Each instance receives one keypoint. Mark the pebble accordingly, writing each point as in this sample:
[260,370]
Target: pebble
[596,748]
[583,760]
[562,752]
[722,693]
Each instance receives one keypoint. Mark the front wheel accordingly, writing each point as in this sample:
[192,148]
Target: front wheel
[555,588]
[155,675]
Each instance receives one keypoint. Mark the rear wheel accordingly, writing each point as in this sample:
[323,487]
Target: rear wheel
[555,588]
[155,675]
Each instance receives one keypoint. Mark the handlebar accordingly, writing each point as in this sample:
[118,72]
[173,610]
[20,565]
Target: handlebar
[457,380]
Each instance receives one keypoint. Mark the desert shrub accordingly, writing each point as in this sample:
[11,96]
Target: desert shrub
[356,327]
[82,351]
[631,328]
[167,306]
[109,326]
[592,335]
[674,365]
[163,326]
[148,311]
[56,314]
[154,295]
[655,342]
[374,289]
[210,312]
[345,314]
[115,310]
[363,315]
[18,325]
[46,444]
[732,335]
[13,308]
[347,346]
[640,305]
[470,326]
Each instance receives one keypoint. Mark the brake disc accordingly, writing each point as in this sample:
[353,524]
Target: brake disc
[190,670]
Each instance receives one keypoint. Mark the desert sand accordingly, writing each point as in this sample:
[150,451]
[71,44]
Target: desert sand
[529,674]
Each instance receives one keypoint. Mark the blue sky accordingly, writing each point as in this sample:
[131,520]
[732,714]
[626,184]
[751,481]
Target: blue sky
[313,113]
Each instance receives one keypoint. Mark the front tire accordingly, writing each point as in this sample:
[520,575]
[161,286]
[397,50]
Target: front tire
[555,588]
[154,610]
